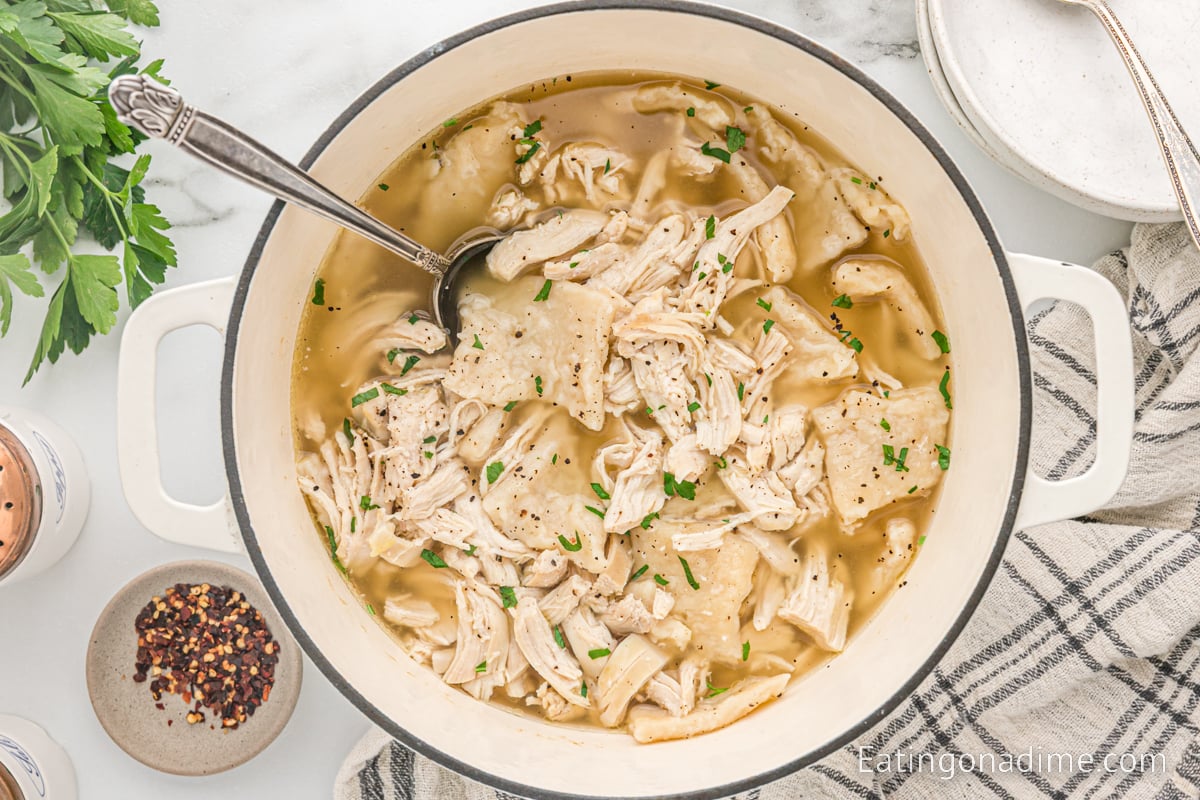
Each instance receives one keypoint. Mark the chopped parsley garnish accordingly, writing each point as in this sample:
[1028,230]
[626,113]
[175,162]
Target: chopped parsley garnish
[763,304]
[944,388]
[748,109]
[900,459]
[583,689]
[573,265]
[409,363]
[607,165]
[534,146]
[599,490]
[913,489]
[414,319]
[370,609]
[672,487]
[595,511]
[887,233]
[716,152]
[708,378]
[710,85]
[735,138]
[693,407]
[942,342]
[450,123]
[745,651]
[691,112]
[558,638]
[481,667]
[569,546]
[710,227]
[365,503]
[721,462]
[921,541]
[510,405]
[433,559]
[337,562]
[843,301]
[856,344]
[319,292]
[554,458]
[768,325]
[713,691]
[429,439]
[883,423]
[537,384]
[346,430]
[640,572]
[383,187]
[741,391]
[478,345]
[353,524]
[508,596]
[493,471]
[856,180]
[470,550]
[391,355]
[943,456]
[649,519]
[660,580]
[389,389]
[599,652]
[889,455]
[533,128]
[701,276]
[544,292]
[429,454]
[364,397]
[687,573]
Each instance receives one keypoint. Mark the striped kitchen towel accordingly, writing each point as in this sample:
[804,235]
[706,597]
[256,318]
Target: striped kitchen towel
[1079,675]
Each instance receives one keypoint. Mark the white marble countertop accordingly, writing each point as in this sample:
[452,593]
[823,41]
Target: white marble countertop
[283,69]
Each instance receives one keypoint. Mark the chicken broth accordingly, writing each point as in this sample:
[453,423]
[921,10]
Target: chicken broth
[694,426]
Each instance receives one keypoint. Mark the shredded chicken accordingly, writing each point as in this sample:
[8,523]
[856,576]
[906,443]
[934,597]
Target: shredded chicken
[634,474]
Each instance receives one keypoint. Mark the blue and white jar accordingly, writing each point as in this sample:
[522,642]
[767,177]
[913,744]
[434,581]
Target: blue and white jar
[32,765]
[44,494]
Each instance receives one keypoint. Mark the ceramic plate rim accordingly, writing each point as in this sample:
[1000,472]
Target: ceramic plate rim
[988,127]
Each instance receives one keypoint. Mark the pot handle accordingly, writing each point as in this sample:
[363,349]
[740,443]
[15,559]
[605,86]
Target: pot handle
[208,526]
[1043,279]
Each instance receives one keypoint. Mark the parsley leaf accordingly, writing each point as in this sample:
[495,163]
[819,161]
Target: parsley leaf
[57,135]
[735,138]
[716,152]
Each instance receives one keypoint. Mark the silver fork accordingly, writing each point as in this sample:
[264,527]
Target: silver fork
[1183,160]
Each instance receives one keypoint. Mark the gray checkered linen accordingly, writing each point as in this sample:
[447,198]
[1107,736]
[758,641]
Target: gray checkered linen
[1087,641]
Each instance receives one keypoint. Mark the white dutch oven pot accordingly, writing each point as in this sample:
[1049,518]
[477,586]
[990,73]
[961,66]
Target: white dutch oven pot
[989,490]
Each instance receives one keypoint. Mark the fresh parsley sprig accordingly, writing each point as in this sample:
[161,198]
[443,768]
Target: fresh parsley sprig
[60,142]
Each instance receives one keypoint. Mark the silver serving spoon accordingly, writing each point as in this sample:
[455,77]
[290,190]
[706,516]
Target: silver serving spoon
[159,112]
[1183,160]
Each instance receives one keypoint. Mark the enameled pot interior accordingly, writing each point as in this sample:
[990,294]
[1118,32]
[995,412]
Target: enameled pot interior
[819,710]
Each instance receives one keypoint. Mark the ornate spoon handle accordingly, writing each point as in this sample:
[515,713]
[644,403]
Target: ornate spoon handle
[1183,160]
[159,111]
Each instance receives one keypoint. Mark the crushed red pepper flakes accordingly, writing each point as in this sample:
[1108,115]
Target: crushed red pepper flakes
[211,647]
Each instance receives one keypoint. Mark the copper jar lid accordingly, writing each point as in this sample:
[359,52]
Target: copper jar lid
[8,786]
[20,501]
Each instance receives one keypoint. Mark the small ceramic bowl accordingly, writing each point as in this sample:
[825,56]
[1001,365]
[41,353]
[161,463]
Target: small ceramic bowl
[162,739]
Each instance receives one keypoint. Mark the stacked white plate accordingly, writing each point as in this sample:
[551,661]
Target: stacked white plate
[1040,87]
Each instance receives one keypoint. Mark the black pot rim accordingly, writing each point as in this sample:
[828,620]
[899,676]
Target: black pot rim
[800,42]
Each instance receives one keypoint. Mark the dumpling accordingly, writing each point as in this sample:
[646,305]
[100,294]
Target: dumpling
[514,346]
[870,466]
